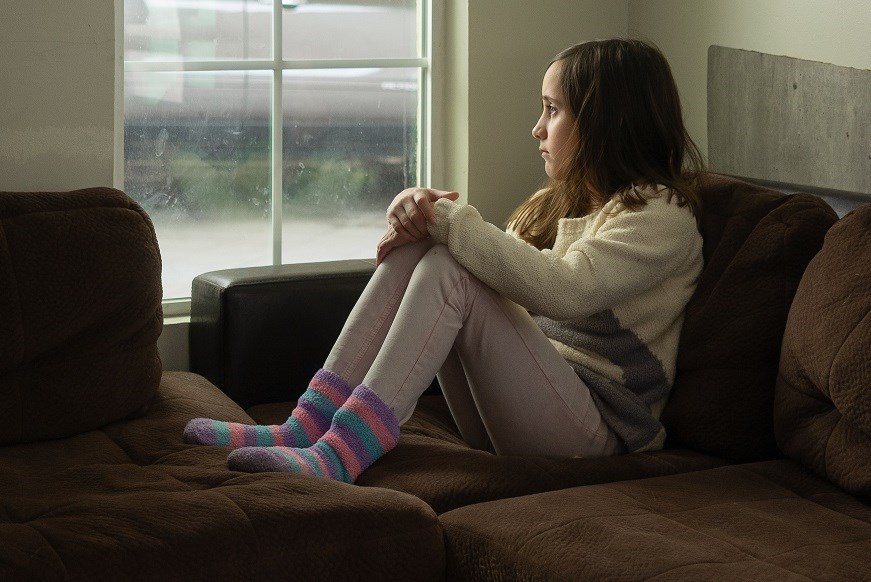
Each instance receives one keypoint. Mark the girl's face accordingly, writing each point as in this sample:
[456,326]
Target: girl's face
[555,130]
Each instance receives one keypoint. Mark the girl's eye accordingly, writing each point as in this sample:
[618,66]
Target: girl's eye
[549,108]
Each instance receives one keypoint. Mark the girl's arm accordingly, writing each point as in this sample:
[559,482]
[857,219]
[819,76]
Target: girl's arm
[630,253]
[408,216]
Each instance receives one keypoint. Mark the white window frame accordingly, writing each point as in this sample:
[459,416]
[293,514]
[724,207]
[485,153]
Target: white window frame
[429,24]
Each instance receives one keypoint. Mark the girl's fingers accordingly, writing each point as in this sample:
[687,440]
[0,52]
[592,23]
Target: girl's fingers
[415,219]
[412,210]
[424,199]
[449,194]
[383,248]
[391,240]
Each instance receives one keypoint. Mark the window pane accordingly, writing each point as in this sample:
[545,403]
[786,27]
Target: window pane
[196,150]
[197,29]
[352,29]
[350,145]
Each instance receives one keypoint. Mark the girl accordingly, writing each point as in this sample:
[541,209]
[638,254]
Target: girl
[558,337]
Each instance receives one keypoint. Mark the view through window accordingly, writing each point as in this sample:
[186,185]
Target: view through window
[251,141]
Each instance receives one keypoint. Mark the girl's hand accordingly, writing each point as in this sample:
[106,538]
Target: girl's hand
[388,242]
[412,210]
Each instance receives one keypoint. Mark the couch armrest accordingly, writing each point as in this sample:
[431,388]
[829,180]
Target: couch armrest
[260,333]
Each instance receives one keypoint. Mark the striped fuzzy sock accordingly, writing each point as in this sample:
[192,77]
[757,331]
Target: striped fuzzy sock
[307,423]
[363,429]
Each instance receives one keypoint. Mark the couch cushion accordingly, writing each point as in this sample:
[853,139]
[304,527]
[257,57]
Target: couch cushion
[757,244]
[433,463]
[131,501]
[823,405]
[80,312]
[772,520]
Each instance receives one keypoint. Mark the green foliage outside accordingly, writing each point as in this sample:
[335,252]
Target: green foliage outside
[224,180]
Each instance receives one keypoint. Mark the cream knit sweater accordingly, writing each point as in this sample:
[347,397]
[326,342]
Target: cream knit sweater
[610,295]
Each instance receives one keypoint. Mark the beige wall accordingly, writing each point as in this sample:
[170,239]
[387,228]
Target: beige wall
[831,31]
[57,76]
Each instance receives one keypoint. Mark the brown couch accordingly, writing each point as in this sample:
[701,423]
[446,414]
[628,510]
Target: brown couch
[95,481]
[753,482]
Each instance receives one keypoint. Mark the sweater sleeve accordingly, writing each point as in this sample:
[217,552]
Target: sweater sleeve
[631,252]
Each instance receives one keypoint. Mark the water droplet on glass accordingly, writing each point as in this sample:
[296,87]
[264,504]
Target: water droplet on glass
[160,142]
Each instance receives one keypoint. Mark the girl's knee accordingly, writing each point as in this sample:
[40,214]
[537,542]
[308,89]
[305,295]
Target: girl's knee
[439,265]
[410,253]
[439,258]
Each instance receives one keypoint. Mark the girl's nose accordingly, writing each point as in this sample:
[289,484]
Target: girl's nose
[537,132]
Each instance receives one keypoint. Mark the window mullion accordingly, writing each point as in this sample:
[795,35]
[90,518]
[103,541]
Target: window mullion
[354,63]
[277,132]
[198,65]
[255,65]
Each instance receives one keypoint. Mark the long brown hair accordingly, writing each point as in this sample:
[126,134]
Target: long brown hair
[630,133]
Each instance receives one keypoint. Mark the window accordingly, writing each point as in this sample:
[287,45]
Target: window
[252,139]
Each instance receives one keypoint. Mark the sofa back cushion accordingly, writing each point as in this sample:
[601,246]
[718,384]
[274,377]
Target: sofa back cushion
[80,312]
[757,243]
[822,415]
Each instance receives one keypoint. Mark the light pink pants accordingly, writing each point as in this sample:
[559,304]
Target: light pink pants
[507,387]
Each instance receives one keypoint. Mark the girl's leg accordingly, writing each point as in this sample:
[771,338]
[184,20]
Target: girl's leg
[439,296]
[348,361]
[368,323]
[535,393]
[458,394]
[421,320]
[529,399]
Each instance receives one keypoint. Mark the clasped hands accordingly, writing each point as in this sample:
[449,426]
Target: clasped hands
[407,217]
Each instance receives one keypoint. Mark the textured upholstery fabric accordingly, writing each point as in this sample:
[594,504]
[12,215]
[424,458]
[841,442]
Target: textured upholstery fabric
[79,312]
[433,463]
[823,398]
[763,521]
[131,501]
[757,244]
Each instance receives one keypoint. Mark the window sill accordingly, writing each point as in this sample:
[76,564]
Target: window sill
[176,308]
